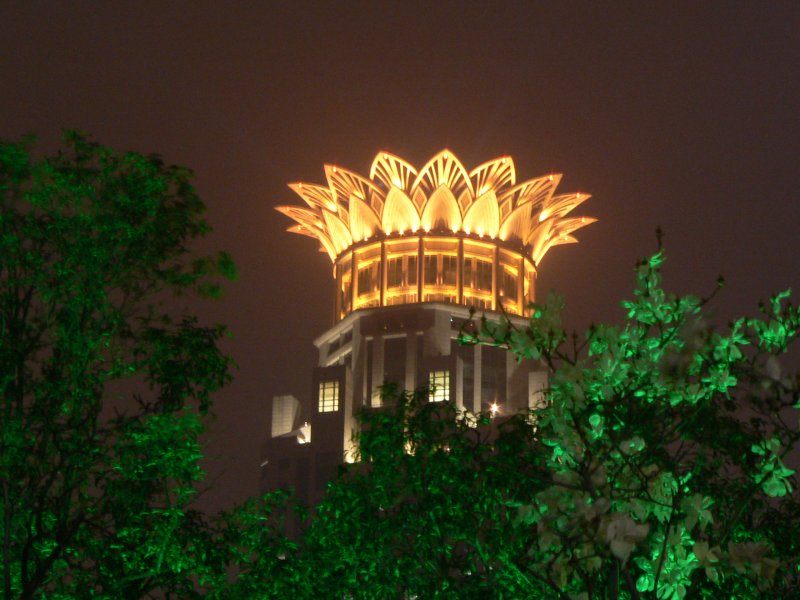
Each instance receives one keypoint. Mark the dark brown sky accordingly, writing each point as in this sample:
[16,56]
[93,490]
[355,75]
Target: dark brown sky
[683,115]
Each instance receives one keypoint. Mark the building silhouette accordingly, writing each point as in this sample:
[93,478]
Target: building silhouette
[412,252]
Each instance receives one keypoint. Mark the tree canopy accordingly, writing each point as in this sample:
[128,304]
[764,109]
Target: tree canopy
[103,382]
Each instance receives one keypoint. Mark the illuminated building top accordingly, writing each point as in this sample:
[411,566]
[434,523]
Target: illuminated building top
[439,234]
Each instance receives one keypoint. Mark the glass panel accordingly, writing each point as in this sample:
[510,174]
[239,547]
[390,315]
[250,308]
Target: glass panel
[429,263]
[483,275]
[509,285]
[368,279]
[439,383]
[394,272]
[449,270]
[328,396]
[469,272]
[411,270]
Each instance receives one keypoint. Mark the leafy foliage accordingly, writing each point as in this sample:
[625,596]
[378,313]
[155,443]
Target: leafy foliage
[102,385]
[667,443]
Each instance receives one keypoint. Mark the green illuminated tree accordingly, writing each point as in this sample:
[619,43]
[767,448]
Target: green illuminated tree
[103,381]
[657,470]
[430,511]
[666,443]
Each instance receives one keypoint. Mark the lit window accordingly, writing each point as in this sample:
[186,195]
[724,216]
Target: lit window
[484,275]
[449,270]
[412,270]
[401,271]
[368,279]
[328,396]
[509,286]
[439,382]
[440,270]
[394,272]
[430,269]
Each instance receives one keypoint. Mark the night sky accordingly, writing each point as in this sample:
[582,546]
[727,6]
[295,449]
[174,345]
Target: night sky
[679,115]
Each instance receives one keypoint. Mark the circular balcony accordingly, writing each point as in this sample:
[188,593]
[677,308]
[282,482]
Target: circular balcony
[434,267]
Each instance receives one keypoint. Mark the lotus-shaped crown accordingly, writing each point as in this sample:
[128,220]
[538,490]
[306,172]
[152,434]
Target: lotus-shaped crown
[397,199]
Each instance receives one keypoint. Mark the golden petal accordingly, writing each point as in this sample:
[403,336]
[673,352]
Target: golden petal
[364,223]
[392,171]
[344,183]
[303,230]
[558,206]
[304,216]
[517,225]
[493,175]
[337,231]
[483,217]
[444,169]
[441,210]
[534,191]
[316,196]
[399,213]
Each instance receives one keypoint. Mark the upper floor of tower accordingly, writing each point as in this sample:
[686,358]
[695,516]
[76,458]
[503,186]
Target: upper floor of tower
[438,234]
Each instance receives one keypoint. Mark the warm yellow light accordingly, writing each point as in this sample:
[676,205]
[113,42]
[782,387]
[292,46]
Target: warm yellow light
[487,201]
[494,409]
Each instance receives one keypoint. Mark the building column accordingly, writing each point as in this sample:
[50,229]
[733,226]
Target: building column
[411,361]
[478,380]
[377,370]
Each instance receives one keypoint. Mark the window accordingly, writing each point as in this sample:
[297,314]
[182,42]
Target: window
[368,278]
[483,271]
[430,269]
[328,396]
[394,272]
[509,286]
[449,270]
[411,272]
[401,271]
[439,383]
[440,270]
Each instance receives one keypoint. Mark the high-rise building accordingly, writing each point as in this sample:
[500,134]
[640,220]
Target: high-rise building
[412,252]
